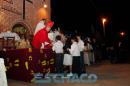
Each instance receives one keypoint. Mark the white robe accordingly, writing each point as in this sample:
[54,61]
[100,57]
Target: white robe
[3,79]
[88,56]
[39,26]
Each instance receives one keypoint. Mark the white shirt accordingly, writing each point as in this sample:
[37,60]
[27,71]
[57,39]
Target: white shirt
[39,26]
[58,47]
[81,45]
[74,49]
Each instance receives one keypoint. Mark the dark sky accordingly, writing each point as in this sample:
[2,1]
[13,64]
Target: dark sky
[81,14]
[121,14]
[75,14]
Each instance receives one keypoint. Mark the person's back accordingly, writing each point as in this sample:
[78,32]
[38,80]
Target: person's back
[58,48]
[81,48]
[58,45]
[96,50]
[75,49]
[75,52]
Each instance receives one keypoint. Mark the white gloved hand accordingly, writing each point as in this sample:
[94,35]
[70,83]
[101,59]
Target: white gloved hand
[42,47]
[46,43]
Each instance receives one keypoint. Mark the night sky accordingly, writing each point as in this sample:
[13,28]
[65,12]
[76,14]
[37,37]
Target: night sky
[74,14]
[80,15]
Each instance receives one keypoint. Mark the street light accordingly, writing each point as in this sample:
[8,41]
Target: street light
[122,34]
[103,21]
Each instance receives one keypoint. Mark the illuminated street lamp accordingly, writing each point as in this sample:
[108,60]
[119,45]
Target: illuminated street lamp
[122,34]
[103,21]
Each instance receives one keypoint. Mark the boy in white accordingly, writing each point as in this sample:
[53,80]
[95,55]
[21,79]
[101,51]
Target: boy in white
[81,48]
[75,52]
[58,48]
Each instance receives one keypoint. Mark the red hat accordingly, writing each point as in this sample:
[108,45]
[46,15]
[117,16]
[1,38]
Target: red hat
[50,23]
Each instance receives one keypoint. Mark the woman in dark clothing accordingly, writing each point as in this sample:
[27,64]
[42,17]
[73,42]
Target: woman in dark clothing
[67,56]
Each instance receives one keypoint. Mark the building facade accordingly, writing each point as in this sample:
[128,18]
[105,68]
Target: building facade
[22,16]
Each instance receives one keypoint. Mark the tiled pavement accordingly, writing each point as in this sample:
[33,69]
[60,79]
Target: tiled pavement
[108,75]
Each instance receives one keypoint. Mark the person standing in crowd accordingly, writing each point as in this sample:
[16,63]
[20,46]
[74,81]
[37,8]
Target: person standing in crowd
[97,51]
[81,48]
[40,25]
[41,39]
[75,52]
[63,38]
[58,48]
[67,57]
[88,53]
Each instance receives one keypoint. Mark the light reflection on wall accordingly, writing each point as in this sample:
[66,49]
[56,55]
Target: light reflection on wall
[38,12]
[42,13]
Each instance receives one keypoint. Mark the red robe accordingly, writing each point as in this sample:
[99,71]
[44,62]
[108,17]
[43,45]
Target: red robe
[41,37]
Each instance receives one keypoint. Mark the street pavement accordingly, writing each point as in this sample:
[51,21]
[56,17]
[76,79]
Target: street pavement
[108,75]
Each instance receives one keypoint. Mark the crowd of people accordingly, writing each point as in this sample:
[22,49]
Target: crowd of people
[75,53]
[72,53]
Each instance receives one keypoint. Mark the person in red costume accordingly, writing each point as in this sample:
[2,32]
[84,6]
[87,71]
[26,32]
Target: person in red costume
[41,40]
